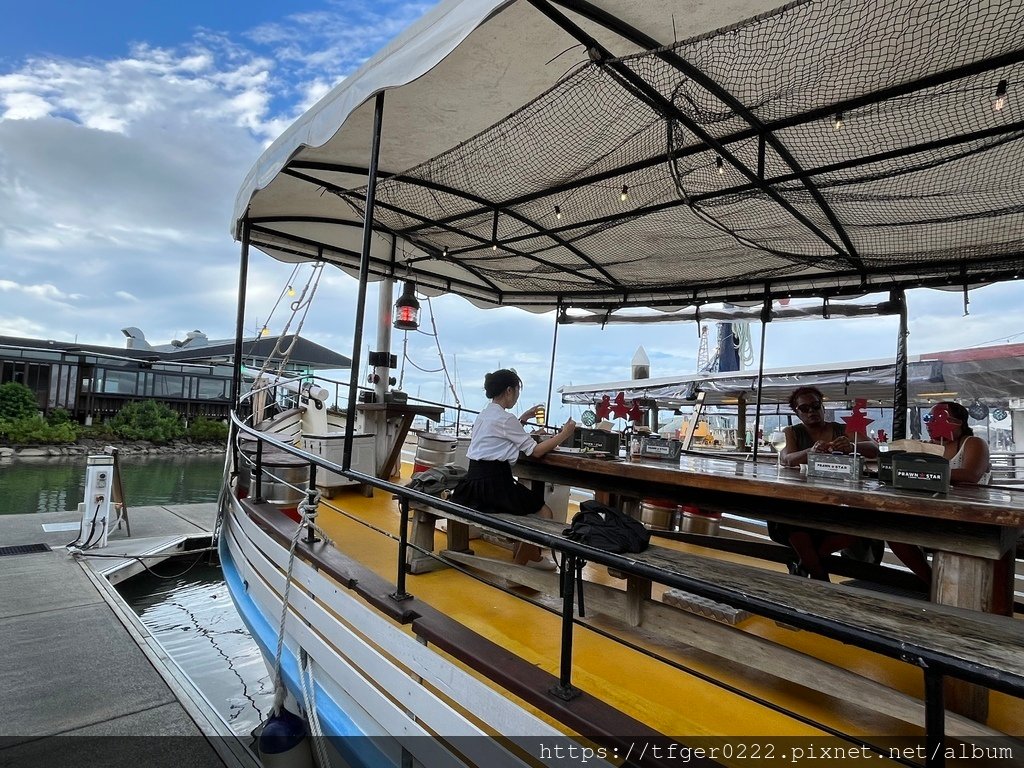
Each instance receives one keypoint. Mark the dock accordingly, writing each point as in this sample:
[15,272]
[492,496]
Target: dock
[78,662]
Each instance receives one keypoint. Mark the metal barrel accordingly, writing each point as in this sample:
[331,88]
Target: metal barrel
[433,450]
[658,513]
[287,471]
[694,520]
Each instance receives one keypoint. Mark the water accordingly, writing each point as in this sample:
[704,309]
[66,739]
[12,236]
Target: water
[58,484]
[191,615]
[193,618]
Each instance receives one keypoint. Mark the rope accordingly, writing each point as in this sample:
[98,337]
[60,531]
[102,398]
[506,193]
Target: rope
[279,689]
[309,702]
[440,354]
[300,309]
[743,344]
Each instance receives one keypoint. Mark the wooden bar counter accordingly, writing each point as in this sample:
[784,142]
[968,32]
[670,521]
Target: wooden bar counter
[972,530]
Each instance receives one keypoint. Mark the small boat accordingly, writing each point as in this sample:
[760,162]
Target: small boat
[589,158]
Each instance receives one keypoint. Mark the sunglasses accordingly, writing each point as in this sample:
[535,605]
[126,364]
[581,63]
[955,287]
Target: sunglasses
[809,407]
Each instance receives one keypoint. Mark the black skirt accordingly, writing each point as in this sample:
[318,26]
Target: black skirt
[490,487]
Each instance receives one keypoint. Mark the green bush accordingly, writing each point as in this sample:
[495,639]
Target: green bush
[100,431]
[59,416]
[204,430]
[17,401]
[147,420]
[34,430]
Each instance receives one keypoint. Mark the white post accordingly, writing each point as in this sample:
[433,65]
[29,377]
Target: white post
[95,510]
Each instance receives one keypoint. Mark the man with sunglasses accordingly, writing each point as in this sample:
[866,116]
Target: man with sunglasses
[815,435]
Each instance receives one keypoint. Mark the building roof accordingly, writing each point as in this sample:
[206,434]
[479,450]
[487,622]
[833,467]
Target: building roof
[304,353]
[991,375]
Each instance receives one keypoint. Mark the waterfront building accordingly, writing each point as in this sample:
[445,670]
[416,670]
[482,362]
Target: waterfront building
[192,376]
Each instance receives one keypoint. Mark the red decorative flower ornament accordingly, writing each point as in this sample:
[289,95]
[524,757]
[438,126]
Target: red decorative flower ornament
[620,409]
[635,413]
[604,408]
[857,422]
[941,424]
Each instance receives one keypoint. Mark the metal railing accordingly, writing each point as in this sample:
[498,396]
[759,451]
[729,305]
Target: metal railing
[935,665]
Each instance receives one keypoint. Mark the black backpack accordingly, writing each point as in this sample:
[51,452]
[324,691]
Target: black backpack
[600,526]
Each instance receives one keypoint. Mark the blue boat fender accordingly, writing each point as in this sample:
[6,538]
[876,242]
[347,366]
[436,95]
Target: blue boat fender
[284,743]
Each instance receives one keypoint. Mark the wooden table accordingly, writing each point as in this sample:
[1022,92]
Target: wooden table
[402,414]
[972,530]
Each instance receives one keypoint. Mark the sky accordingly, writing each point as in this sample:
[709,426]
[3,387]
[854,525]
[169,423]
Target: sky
[126,129]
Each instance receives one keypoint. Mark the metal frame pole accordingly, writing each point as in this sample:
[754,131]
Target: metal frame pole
[899,395]
[766,316]
[364,271]
[403,548]
[551,369]
[243,275]
[564,689]
[934,718]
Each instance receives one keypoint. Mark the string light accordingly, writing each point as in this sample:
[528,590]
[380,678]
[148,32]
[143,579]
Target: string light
[558,213]
[444,254]
[837,122]
[494,247]
[624,194]
[1000,101]
[720,163]
[265,331]
[291,291]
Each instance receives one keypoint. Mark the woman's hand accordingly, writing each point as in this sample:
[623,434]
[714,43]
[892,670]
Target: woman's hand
[820,447]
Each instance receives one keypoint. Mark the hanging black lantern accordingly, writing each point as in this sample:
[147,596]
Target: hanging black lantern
[407,309]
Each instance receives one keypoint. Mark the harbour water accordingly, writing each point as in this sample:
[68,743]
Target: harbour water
[191,615]
[58,484]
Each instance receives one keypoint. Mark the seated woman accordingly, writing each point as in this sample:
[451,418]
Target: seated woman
[814,435]
[494,446]
[968,465]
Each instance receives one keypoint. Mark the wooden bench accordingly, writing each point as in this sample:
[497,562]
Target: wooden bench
[420,557]
[982,649]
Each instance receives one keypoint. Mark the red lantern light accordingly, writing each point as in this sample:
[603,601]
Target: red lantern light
[407,309]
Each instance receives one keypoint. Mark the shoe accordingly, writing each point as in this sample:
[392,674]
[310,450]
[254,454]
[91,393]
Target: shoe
[797,570]
[544,564]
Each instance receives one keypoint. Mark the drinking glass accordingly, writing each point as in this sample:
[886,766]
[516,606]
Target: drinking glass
[778,442]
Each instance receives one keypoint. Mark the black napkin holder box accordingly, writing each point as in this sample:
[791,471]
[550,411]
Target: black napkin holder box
[920,472]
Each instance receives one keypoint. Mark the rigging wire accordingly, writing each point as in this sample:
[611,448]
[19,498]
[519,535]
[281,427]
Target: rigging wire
[440,354]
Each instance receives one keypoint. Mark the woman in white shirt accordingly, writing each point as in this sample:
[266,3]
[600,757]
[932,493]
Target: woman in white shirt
[497,439]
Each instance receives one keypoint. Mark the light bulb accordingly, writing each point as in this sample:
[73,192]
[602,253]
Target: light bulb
[558,213]
[445,253]
[837,122]
[291,291]
[494,247]
[721,165]
[1000,101]
[624,194]
[265,331]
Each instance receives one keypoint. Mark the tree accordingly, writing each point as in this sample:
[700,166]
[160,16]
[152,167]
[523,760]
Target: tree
[17,401]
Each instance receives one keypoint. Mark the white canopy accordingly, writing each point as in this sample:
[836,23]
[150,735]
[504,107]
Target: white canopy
[543,153]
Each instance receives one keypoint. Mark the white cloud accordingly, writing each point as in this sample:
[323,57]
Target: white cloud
[40,291]
[118,177]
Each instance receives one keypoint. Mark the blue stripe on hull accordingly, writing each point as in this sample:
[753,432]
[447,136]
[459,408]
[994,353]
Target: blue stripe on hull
[358,752]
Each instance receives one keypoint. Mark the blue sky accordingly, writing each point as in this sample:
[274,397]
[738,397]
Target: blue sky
[127,127]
